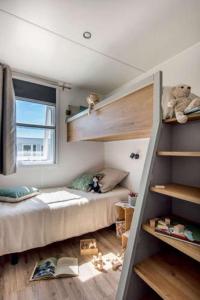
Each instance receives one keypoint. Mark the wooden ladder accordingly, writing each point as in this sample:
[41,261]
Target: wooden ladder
[157,266]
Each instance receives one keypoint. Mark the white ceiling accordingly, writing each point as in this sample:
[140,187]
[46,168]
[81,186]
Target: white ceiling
[44,37]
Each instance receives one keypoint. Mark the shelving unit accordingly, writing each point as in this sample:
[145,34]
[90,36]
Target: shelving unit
[168,266]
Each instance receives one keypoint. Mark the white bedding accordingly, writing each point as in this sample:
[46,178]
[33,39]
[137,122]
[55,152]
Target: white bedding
[56,214]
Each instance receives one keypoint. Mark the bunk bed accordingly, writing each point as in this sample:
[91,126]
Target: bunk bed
[124,117]
[155,267]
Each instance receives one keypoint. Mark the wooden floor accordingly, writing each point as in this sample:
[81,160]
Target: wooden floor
[89,285]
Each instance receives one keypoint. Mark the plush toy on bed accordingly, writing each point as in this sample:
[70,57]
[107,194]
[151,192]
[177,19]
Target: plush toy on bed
[178,101]
[95,186]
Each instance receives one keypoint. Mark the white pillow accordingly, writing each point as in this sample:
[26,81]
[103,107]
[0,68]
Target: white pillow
[111,177]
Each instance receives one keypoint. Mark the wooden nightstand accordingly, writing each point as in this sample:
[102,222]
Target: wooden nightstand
[124,219]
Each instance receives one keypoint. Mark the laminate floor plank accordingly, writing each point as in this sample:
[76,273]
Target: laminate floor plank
[89,285]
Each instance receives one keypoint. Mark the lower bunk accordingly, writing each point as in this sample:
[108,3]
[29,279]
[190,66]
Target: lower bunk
[55,214]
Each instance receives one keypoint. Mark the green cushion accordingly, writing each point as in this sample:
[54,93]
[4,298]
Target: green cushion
[15,194]
[81,182]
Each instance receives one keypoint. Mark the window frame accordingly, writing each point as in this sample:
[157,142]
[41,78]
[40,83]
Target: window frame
[55,127]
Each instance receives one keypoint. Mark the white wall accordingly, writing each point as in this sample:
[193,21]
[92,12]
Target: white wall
[117,154]
[182,68]
[74,158]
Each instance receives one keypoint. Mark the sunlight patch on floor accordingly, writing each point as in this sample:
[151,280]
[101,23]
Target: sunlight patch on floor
[87,270]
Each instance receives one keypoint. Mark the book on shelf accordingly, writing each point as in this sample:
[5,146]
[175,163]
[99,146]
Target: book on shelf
[53,267]
[177,228]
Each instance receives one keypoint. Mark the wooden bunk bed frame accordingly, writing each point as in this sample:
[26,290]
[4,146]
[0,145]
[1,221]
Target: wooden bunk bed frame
[122,117]
[152,270]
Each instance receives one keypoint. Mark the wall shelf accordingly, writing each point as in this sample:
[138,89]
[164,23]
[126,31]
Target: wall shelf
[171,275]
[179,153]
[187,248]
[183,192]
[192,117]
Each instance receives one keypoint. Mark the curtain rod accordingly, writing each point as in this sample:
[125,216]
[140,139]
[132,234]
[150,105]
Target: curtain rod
[60,84]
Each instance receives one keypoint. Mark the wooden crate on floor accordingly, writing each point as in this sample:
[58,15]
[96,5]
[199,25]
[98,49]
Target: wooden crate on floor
[88,247]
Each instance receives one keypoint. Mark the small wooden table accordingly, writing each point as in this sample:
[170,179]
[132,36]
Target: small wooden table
[125,214]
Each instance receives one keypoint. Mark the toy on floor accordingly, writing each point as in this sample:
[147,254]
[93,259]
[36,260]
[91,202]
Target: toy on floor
[118,261]
[98,262]
[95,186]
[88,247]
[92,100]
[181,101]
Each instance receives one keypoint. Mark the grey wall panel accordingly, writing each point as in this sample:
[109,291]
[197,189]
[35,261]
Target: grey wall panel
[186,170]
[185,209]
[186,137]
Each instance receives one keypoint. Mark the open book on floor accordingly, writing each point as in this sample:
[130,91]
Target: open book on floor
[53,267]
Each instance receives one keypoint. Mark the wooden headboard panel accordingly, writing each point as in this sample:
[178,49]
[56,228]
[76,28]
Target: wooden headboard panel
[129,117]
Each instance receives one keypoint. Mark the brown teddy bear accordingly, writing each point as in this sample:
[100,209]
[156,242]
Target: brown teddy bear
[180,101]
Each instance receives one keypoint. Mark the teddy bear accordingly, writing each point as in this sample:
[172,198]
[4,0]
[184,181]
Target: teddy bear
[92,99]
[179,101]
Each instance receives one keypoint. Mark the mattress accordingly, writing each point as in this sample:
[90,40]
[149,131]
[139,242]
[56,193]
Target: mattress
[54,215]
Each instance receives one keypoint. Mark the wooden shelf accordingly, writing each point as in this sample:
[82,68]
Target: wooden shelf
[171,276]
[193,117]
[187,248]
[183,192]
[179,153]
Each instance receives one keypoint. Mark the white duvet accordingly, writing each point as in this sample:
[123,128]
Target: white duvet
[56,214]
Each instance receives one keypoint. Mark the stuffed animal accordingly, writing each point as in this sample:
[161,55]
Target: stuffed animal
[118,261]
[95,186]
[179,101]
[98,262]
[92,99]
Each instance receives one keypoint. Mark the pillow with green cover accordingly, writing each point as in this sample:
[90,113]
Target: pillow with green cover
[81,182]
[16,194]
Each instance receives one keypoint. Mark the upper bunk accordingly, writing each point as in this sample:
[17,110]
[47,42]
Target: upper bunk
[124,116]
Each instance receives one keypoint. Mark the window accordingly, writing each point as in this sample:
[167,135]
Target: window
[36,130]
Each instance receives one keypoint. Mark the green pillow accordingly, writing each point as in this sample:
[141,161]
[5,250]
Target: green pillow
[81,182]
[16,194]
